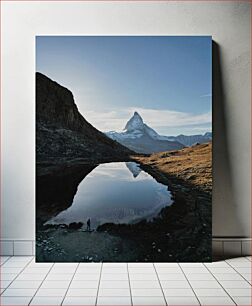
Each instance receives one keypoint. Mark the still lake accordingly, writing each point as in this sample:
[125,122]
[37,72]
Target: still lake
[115,193]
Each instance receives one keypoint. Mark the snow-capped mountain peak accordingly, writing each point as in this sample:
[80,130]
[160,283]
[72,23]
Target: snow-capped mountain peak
[141,138]
[135,123]
[136,126]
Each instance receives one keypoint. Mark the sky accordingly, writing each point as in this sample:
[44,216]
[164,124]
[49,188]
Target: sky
[167,79]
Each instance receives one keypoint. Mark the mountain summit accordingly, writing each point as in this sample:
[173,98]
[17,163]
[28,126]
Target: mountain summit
[141,138]
[135,123]
[138,136]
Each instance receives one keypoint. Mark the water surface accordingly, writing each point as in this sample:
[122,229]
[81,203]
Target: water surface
[117,193]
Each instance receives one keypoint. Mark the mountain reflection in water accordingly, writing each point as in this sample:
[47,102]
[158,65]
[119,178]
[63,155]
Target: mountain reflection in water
[117,193]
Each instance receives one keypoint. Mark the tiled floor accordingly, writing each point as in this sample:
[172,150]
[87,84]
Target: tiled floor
[24,282]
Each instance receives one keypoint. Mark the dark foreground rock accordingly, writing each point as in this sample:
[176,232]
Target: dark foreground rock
[64,245]
[62,133]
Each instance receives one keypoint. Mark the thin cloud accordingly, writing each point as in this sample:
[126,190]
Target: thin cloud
[170,118]
[206,96]
[157,119]
[107,121]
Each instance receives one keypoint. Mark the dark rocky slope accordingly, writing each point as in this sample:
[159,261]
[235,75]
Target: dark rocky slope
[63,134]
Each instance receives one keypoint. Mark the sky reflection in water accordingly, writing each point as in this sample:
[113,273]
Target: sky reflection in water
[118,193]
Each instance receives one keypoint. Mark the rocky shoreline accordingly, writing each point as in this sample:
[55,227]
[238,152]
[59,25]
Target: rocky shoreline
[187,224]
[183,226]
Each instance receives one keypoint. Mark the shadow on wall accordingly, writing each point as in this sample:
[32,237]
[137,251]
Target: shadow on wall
[225,215]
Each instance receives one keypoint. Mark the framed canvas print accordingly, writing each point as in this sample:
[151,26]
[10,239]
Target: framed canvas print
[123,148]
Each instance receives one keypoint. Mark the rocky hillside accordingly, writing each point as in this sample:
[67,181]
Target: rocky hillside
[61,131]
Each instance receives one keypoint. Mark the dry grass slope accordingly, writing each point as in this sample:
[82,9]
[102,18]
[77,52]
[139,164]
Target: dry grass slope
[193,164]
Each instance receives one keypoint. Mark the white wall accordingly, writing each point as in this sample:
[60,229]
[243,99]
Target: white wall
[227,22]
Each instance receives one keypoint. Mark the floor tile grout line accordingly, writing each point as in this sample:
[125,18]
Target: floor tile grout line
[1,266]
[236,271]
[160,284]
[9,257]
[70,283]
[220,284]
[15,277]
[230,260]
[246,258]
[98,288]
[131,298]
[189,284]
[41,283]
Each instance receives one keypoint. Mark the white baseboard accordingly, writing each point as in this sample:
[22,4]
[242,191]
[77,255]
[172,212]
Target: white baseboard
[17,247]
[222,247]
[231,247]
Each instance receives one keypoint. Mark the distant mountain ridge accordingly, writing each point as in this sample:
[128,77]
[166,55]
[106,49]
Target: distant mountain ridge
[141,138]
[63,133]
[189,140]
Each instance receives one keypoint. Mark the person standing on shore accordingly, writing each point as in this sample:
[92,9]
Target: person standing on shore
[88,225]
